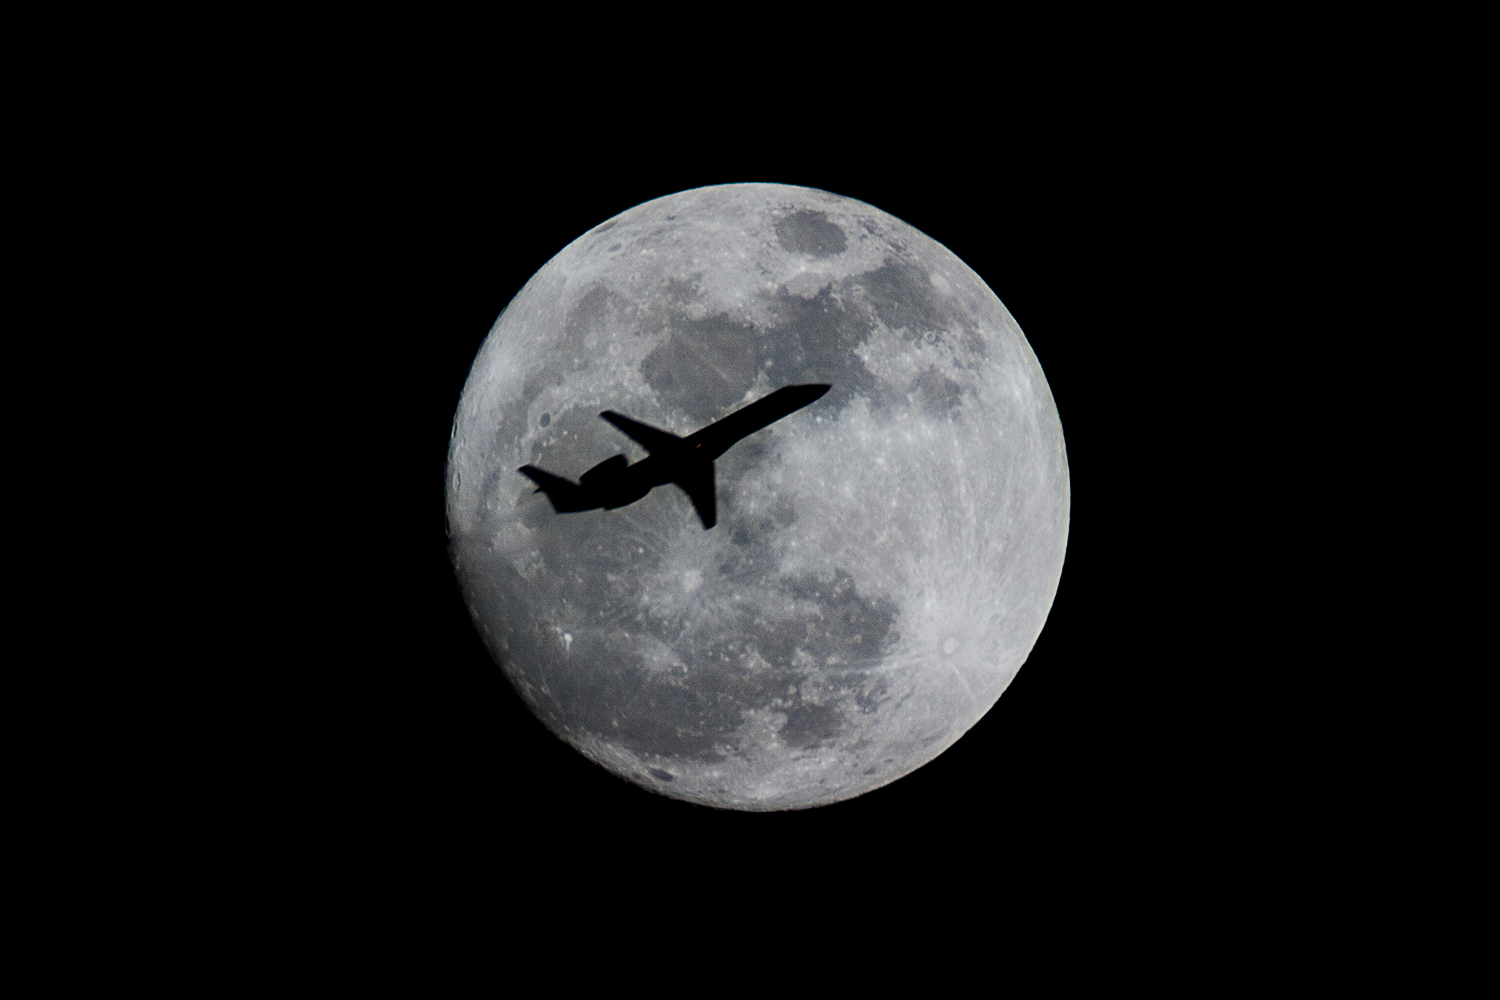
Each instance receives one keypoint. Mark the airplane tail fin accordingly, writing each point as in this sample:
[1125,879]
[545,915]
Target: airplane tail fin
[697,481]
[566,496]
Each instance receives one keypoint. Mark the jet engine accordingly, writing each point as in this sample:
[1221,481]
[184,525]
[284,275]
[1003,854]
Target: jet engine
[604,472]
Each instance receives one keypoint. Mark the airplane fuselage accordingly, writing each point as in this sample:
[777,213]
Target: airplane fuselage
[616,486]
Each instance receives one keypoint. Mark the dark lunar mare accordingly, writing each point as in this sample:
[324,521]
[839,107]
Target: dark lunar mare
[751,662]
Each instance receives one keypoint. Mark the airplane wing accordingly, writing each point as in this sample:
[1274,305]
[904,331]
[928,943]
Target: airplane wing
[566,496]
[697,481]
[715,439]
[647,437]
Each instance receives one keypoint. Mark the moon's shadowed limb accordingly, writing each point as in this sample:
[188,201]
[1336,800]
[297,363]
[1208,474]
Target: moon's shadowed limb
[883,563]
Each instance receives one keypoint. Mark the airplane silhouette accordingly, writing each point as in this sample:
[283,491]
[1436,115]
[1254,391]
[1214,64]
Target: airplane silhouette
[688,462]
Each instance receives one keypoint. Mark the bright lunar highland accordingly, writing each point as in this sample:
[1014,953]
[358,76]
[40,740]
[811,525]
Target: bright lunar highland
[884,559]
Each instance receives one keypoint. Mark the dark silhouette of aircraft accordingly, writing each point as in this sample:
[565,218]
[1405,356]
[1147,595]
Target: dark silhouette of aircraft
[686,461]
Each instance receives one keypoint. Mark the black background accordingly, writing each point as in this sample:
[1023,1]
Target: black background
[336,233]
[406,741]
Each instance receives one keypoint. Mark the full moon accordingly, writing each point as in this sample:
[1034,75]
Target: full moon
[883,560]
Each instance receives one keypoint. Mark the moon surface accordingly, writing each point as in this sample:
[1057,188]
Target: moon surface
[884,559]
